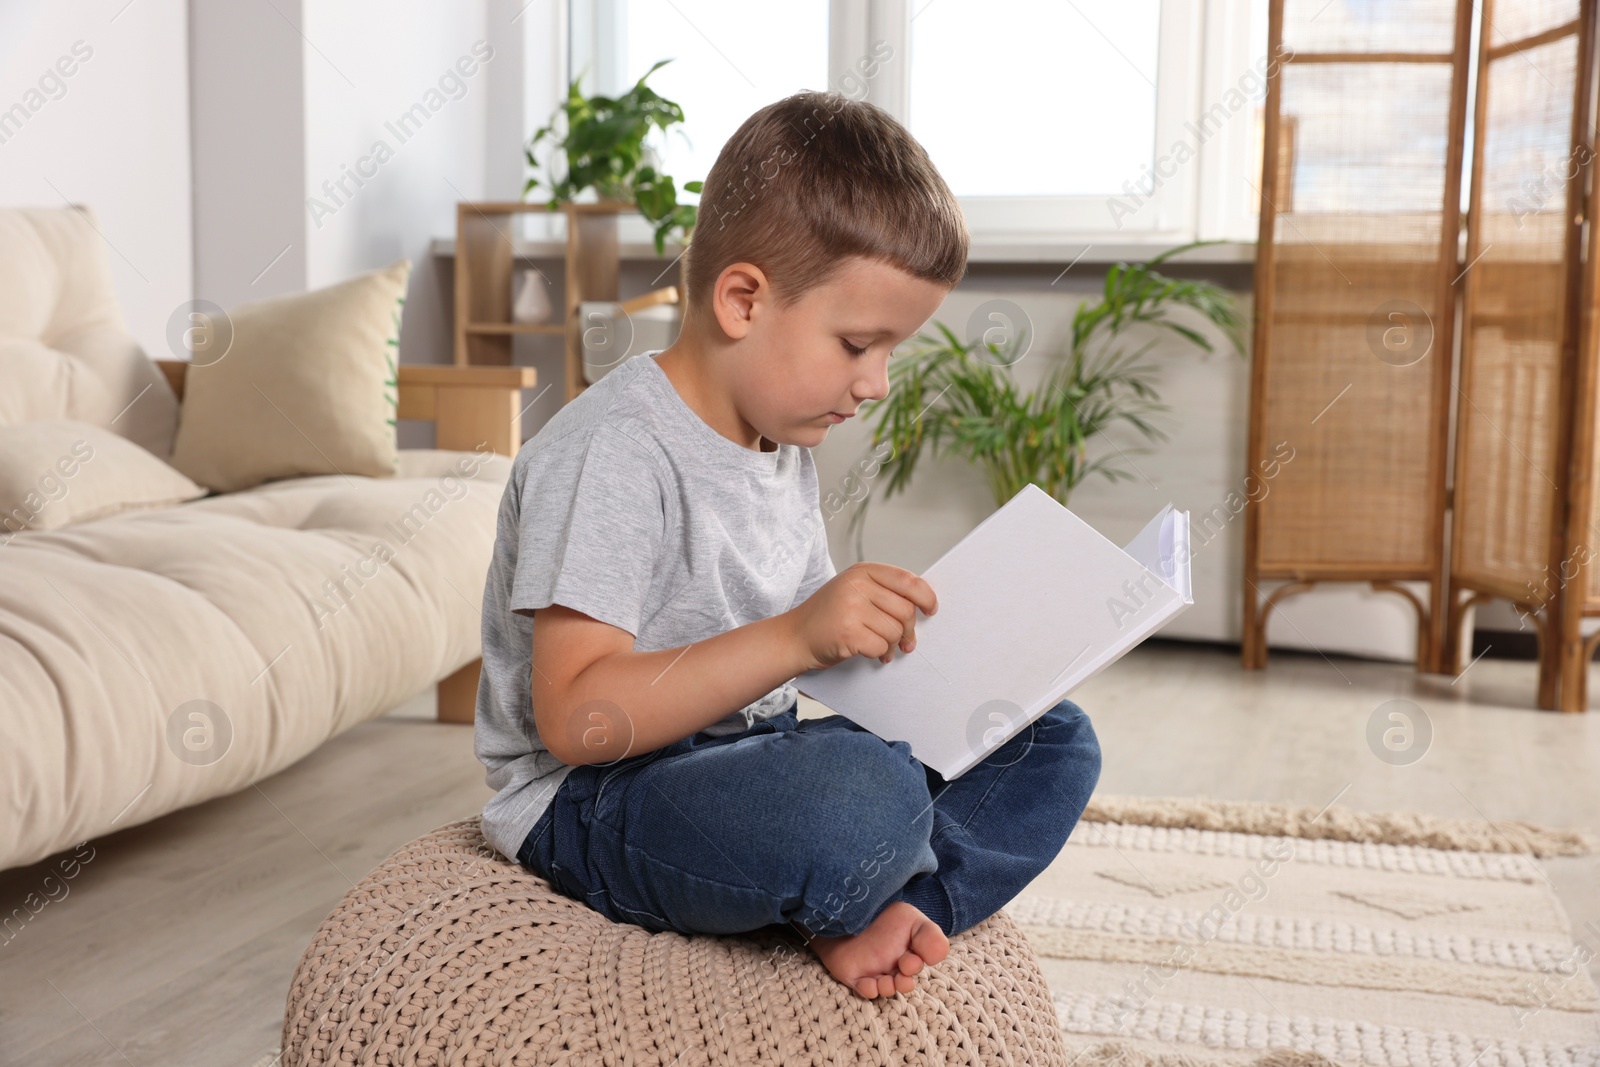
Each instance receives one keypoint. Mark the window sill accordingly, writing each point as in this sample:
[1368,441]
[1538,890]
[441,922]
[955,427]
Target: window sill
[1065,252]
[1105,252]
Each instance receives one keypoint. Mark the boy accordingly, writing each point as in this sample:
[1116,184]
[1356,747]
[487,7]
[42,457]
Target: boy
[661,573]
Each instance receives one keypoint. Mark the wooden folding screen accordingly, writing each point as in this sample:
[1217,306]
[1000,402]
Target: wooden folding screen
[1523,523]
[1360,222]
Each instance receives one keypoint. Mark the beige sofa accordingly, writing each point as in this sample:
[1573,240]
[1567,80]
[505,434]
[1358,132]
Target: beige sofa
[153,659]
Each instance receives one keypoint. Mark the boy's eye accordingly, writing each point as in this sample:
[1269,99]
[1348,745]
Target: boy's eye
[852,349]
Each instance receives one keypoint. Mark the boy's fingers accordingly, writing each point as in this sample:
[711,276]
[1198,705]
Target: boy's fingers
[913,587]
[887,627]
[901,612]
[899,615]
[891,602]
[894,592]
[880,623]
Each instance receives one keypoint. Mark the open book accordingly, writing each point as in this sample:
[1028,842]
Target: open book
[1032,603]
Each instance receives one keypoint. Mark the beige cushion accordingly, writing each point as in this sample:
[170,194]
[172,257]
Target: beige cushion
[307,386]
[283,614]
[57,472]
[65,352]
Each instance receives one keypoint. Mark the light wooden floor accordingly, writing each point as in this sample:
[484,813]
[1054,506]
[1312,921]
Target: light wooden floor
[175,943]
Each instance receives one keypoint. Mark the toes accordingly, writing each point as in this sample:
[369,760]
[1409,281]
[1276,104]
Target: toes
[884,985]
[910,964]
[929,942]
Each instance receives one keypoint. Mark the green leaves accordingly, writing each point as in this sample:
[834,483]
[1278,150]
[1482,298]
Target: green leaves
[604,150]
[954,398]
[658,201]
[1139,294]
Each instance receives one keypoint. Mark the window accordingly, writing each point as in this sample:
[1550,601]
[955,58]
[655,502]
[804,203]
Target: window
[1056,122]
[994,106]
[729,59]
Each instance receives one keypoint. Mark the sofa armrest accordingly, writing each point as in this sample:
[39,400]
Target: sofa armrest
[468,406]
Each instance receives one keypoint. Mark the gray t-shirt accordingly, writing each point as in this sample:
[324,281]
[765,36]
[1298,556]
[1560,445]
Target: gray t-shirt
[628,507]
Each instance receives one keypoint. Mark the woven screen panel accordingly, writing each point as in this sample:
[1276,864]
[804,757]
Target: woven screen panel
[1515,291]
[1515,20]
[1351,374]
[1402,26]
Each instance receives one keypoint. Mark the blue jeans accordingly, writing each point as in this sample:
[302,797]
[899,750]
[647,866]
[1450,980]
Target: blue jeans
[816,821]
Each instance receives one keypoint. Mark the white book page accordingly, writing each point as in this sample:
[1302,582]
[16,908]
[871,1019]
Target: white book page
[1181,551]
[1163,547]
[1152,546]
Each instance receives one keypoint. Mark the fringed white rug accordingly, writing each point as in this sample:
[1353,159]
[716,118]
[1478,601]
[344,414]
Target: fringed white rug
[1181,932]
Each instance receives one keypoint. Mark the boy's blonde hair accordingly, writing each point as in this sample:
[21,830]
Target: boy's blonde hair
[812,179]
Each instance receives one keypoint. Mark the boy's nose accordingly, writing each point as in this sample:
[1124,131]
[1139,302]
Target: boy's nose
[874,388]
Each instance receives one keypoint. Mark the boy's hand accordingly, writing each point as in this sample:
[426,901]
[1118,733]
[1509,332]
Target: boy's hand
[865,610]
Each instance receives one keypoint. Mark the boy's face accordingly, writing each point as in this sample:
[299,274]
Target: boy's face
[790,370]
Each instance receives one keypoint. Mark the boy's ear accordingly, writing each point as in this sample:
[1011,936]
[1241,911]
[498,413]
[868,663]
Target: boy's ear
[740,292]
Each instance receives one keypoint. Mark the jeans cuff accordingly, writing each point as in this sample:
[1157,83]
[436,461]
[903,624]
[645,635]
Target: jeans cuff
[925,894]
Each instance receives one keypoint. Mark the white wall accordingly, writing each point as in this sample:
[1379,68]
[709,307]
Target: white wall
[113,135]
[397,91]
[306,153]
[249,150]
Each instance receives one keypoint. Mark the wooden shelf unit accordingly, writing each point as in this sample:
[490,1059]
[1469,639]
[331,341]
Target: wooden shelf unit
[485,263]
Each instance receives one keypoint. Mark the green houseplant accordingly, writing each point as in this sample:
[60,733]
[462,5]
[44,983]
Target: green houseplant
[960,398]
[603,149]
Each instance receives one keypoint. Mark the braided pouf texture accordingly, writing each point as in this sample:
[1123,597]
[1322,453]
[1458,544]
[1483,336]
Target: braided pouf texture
[448,953]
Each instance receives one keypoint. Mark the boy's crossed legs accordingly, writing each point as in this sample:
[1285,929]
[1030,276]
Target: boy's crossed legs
[821,825]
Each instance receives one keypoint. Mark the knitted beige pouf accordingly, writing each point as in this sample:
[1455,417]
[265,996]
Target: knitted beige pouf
[448,953]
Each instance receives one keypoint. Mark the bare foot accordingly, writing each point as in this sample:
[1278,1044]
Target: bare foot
[885,957]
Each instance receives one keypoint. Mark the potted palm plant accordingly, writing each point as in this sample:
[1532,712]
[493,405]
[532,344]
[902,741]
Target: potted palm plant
[959,398]
[603,149]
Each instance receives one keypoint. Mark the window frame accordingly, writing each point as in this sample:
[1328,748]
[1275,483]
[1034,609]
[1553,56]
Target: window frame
[1203,52]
